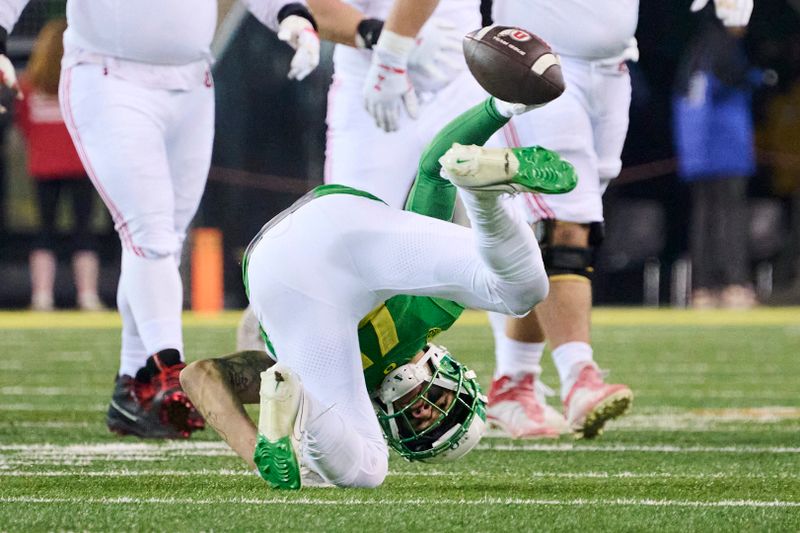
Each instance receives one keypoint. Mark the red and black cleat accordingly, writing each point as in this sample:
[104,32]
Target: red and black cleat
[129,412]
[153,405]
[170,402]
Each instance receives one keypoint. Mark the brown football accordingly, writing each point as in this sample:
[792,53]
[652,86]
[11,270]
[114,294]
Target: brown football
[514,65]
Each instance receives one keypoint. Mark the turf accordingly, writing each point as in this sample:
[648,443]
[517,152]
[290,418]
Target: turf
[712,444]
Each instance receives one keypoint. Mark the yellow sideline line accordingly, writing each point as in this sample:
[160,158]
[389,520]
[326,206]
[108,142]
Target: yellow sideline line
[103,320]
[629,316]
[639,316]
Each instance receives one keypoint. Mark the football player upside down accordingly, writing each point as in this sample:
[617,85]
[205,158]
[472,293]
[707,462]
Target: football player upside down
[349,293]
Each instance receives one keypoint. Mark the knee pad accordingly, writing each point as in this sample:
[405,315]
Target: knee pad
[565,261]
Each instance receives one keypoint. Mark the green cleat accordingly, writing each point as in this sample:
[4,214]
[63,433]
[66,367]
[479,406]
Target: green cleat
[281,403]
[277,463]
[510,170]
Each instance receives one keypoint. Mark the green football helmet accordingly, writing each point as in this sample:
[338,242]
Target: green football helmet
[460,423]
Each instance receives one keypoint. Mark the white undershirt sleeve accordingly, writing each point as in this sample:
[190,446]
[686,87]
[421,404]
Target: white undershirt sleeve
[9,12]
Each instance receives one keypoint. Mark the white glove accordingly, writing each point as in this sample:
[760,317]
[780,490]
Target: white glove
[437,57]
[732,13]
[8,77]
[387,88]
[509,110]
[299,33]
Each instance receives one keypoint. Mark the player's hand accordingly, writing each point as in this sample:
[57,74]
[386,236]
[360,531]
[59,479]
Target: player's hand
[299,33]
[508,110]
[732,13]
[437,57]
[387,88]
[8,77]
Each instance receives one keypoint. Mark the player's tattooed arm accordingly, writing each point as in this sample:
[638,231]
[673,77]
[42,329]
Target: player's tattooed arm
[243,373]
[220,388]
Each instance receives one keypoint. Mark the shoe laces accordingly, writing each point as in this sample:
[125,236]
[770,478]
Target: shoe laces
[526,390]
[168,378]
[591,376]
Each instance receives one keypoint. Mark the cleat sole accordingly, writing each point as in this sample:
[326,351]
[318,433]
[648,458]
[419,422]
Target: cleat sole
[277,463]
[610,408]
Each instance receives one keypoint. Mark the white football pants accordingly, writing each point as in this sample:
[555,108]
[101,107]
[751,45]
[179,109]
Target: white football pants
[361,155]
[147,152]
[319,271]
[587,126]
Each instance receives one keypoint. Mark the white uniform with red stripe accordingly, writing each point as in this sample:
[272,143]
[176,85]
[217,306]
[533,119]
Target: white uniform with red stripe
[587,125]
[360,154]
[137,97]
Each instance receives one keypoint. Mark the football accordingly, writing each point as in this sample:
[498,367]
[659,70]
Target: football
[514,65]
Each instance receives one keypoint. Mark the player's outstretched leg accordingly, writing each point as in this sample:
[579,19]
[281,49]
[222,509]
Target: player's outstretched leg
[278,440]
[531,169]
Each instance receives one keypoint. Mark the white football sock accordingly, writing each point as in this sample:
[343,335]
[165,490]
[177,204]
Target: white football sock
[568,357]
[515,358]
[155,294]
[333,449]
[133,354]
[506,245]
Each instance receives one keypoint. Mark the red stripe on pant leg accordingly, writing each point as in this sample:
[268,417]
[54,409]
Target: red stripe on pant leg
[537,214]
[508,136]
[514,133]
[543,205]
[69,121]
[548,213]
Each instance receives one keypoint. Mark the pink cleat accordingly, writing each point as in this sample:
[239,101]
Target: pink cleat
[591,403]
[516,409]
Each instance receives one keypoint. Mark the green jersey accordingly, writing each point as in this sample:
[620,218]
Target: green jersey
[396,330]
[393,333]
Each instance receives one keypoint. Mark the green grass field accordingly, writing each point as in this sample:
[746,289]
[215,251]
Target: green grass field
[712,444]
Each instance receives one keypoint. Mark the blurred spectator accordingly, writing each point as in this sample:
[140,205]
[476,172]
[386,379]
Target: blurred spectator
[54,165]
[713,130]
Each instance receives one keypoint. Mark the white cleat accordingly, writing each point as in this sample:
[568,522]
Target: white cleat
[476,167]
[508,170]
[517,410]
[279,428]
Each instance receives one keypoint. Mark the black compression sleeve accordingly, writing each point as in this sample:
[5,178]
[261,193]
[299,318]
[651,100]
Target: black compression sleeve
[3,40]
[367,33]
[296,9]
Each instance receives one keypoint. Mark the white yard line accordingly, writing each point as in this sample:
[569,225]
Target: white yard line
[53,424]
[578,502]
[425,473]
[212,448]
[65,407]
[665,448]
[46,391]
[15,457]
